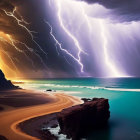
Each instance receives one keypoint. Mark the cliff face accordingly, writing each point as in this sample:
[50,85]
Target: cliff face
[4,83]
[75,121]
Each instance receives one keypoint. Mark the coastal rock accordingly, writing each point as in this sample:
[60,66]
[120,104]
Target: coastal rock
[46,135]
[3,138]
[1,108]
[49,90]
[76,120]
[4,83]
[86,99]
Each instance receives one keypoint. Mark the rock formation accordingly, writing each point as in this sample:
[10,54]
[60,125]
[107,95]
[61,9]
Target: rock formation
[4,83]
[77,120]
[3,138]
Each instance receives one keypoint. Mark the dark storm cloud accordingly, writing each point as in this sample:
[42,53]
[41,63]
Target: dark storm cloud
[8,25]
[33,12]
[125,10]
[4,4]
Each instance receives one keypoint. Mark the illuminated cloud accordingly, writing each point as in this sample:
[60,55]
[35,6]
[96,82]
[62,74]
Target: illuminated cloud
[122,10]
[17,41]
[27,56]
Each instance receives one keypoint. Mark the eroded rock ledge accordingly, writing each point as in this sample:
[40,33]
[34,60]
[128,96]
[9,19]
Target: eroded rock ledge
[77,120]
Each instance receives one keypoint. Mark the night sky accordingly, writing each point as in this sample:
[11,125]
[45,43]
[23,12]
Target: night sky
[107,32]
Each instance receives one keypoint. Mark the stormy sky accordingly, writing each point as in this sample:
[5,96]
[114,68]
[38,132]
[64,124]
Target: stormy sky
[90,22]
[124,10]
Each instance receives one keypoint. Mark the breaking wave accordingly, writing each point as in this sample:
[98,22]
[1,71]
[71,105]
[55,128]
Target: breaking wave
[92,87]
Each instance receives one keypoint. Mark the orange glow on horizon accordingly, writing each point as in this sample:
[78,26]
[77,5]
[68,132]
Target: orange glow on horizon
[4,37]
[9,72]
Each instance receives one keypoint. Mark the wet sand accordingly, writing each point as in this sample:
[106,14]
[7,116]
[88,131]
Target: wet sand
[21,98]
[23,111]
[34,127]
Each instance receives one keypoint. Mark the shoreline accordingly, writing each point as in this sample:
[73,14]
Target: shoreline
[34,127]
[19,115]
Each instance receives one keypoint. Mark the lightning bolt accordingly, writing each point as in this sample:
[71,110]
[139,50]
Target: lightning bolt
[32,51]
[20,23]
[86,17]
[110,65]
[4,52]
[50,2]
[13,43]
[54,38]
[60,45]
[76,42]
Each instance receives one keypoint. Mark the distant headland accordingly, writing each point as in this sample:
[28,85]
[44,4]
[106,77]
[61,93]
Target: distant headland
[6,84]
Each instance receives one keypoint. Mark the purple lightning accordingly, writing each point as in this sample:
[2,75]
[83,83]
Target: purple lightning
[64,50]
[76,42]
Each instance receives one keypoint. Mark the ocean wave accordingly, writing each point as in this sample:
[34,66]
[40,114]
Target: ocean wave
[123,89]
[71,86]
[34,85]
[93,87]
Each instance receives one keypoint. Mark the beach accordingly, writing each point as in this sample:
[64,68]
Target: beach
[23,113]
[37,104]
[123,95]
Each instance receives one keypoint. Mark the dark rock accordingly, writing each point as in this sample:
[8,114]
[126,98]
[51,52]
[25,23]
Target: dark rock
[1,108]
[3,138]
[86,99]
[54,126]
[76,120]
[4,83]
[46,134]
[48,90]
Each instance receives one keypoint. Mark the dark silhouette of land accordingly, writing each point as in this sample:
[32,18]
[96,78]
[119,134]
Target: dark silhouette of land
[6,84]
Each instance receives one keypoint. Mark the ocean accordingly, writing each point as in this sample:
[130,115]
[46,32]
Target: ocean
[123,95]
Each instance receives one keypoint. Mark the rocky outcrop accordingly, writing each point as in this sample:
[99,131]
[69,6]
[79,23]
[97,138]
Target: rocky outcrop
[77,120]
[3,138]
[4,83]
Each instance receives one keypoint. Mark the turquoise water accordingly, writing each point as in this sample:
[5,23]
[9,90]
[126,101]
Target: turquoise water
[123,95]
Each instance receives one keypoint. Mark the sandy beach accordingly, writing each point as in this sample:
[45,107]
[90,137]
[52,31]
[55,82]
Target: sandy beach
[37,104]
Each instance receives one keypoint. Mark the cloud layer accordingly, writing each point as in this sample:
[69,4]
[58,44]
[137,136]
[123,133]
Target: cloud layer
[125,10]
[28,55]
[42,58]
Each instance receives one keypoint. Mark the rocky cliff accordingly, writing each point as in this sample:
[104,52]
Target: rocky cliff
[77,120]
[4,83]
